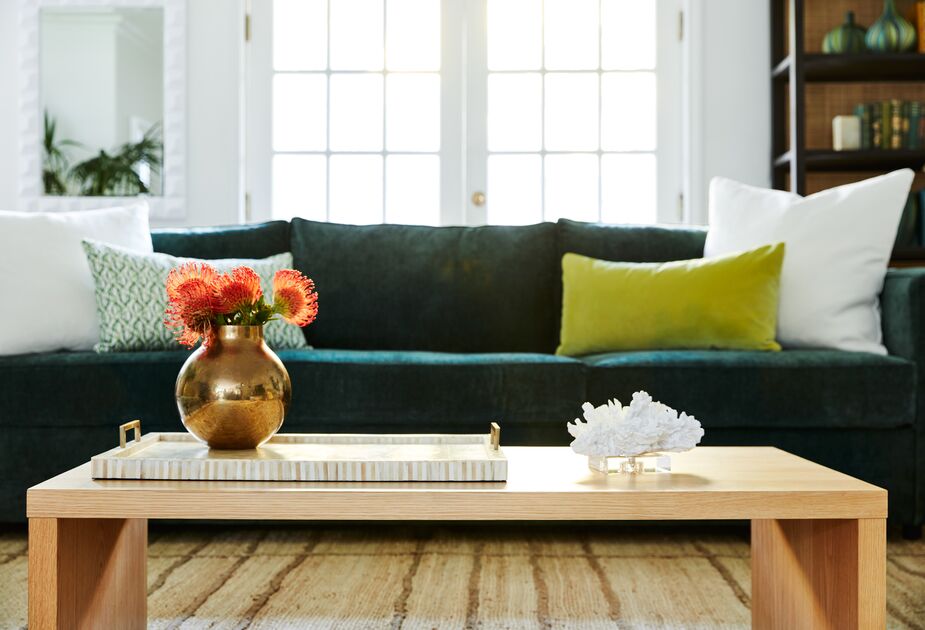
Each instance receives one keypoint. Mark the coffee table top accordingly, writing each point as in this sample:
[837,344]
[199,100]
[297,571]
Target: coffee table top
[544,483]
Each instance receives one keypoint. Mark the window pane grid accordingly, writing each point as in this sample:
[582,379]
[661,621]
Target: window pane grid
[581,141]
[369,47]
[588,140]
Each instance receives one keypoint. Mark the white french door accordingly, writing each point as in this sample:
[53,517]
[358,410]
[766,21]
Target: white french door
[464,111]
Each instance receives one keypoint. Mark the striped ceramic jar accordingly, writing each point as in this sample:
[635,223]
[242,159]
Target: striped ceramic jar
[847,38]
[891,32]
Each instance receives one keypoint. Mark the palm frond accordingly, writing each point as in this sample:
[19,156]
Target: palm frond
[54,160]
[108,175]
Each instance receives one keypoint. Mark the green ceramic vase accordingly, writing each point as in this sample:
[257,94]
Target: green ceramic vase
[847,38]
[891,32]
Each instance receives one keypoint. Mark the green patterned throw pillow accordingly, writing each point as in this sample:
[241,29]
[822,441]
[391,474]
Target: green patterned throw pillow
[130,297]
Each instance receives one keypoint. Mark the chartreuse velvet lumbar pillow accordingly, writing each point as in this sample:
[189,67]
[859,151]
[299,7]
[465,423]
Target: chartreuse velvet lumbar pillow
[727,302]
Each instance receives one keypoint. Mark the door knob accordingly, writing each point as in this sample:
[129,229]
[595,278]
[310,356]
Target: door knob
[478,198]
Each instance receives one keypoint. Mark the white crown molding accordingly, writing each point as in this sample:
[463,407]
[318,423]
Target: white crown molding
[171,206]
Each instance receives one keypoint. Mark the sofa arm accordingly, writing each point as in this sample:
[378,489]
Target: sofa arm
[902,306]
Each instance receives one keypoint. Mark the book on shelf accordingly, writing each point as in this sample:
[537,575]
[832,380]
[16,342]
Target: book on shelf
[863,113]
[886,124]
[915,124]
[891,124]
[898,124]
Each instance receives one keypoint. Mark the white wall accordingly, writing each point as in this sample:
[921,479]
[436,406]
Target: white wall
[734,91]
[214,177]
[9,105]
[214,99]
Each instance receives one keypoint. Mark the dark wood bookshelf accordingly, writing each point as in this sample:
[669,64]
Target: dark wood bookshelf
[909,253]
[865,161]
[865,67]
[802,159]
[911,256]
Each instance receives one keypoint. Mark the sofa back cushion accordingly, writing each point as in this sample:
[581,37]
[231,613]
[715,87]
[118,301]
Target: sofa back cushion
[450,289]
[630,243]
[255,240]
[626,243]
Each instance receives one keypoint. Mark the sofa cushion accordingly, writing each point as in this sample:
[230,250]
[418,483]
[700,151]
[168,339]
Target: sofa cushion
[723,302]
[131,301]
[530,395]
[630,243]
[84,389]
[450,289]
[256,240]
[755,390]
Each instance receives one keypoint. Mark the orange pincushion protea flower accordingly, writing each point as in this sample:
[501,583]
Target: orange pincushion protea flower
[199,300]
[294,297]
[192,312]
[189,271]
[191,302]
[238,290]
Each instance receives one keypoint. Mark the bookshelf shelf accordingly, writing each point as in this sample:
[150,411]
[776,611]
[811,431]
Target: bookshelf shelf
[909,254]
[821,160]
[860,68]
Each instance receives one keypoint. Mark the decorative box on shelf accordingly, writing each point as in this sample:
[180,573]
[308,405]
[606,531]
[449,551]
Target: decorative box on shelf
[308,457]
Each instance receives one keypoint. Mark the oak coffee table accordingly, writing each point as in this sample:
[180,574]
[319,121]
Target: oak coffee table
[818,537]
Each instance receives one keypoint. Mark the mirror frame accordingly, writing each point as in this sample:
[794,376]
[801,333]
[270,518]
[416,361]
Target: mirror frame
[171,205]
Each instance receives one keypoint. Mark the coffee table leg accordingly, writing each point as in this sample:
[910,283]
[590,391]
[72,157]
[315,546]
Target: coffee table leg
[819,573]
[87,573]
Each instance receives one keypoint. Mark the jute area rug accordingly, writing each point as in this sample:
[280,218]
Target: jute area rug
[488,576]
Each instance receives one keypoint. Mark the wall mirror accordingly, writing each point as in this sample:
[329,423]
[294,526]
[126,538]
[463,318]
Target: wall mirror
[103,103]
[102,99]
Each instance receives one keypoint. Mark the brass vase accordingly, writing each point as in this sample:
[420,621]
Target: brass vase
[234,393]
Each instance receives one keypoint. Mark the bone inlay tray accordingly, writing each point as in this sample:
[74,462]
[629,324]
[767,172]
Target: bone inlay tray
[309,457]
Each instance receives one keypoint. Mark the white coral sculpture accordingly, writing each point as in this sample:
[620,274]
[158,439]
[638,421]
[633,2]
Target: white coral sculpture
[645,426]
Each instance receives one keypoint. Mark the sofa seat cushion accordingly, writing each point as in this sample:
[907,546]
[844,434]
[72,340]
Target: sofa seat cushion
[755,390]
[530,395]
[445,289]
[86,389]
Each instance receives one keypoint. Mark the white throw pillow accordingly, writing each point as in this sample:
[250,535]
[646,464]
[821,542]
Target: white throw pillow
[838,246]
[48,295]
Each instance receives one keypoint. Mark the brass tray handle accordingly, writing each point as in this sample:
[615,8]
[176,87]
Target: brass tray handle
[125,428]
[495,436]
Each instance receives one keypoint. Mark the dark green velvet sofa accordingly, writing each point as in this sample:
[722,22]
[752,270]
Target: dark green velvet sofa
[445,329]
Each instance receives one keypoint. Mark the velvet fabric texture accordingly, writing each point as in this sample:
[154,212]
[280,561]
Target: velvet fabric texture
[255,240]
[902,308]
[630,243]
[452,289]
[793,389]
[725,302]
[826,394]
